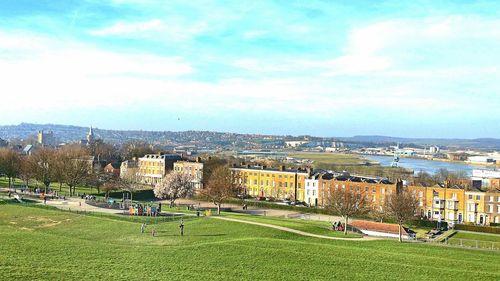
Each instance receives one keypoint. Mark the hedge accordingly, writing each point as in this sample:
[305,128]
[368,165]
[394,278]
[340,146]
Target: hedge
[485,229]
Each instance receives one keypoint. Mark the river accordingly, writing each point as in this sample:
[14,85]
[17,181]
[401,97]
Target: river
[428,166]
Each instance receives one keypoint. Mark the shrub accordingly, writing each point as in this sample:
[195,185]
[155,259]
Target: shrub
[485,229]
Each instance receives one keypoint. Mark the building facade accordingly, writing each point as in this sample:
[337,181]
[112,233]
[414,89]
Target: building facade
[192,169]
[281,183]
[153,167]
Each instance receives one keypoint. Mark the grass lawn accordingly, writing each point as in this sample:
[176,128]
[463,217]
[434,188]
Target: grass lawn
[315,227]
[38,244]
[472,239]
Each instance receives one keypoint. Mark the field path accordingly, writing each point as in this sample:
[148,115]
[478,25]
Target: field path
[282,228]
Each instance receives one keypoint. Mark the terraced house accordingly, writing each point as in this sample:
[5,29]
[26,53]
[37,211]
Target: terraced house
[153,167]
[279,183]
[375,189]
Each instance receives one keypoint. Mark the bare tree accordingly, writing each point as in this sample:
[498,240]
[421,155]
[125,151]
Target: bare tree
[26,172]
[222,185]
[77,167]
[9,164]
[174,185]
[43,165]
[346,203]
[402,207]
[58,167]
[129,183]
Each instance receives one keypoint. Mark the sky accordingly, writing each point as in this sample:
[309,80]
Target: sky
[324,68]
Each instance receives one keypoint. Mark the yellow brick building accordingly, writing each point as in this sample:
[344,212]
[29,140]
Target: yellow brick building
[281,183]
[153,167]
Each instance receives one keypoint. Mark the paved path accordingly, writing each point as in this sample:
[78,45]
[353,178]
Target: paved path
[365,238]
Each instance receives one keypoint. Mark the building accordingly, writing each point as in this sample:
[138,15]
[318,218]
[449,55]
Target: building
[90,137]
[481,160]
[311,190]
[475,211]
[128,168]
[375,189]
[441,202]
[112,169]
[295,144]
[485,179]
[28,149]
[434,149]
[46,138]
[277,183]
[192,169]
[153,167]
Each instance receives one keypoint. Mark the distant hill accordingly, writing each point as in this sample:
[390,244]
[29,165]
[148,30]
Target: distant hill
[479,143]
[69,133]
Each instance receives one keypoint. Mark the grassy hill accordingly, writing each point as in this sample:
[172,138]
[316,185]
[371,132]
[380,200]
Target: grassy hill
[40,244]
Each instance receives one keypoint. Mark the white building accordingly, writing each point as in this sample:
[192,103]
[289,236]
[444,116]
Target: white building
[295,143]
[481,178]
[311,191]
[481,160]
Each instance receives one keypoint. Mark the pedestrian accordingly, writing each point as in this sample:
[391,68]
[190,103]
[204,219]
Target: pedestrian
[181,227]
[153,232]
[198,213]
[159,207]
[44,199]
[143,226]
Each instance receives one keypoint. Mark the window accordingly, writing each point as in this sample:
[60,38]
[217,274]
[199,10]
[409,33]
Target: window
[286,184]
[478,197]
[470,196]
[299,185]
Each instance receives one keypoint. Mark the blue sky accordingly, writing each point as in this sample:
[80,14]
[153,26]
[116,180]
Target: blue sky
[326,68]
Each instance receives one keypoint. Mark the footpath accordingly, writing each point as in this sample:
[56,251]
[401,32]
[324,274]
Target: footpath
[365,238]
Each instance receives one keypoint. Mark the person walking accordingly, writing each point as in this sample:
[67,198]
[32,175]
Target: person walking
[153,232]
[143,226]
[181,227]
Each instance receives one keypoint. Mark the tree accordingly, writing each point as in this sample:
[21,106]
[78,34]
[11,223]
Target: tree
[402,207]
[58,167]
[77,166]
[9,164]
[42,162]
[209,166]
[222,185]
[136,149]
[346,203]
[174,185]
[26,172]
[129,183]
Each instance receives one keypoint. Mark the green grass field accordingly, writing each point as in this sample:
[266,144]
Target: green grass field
[473,240]
[46,244]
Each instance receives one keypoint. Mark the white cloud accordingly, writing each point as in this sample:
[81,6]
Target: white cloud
[128,28]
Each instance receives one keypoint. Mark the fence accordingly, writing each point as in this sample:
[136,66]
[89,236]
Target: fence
[469,243]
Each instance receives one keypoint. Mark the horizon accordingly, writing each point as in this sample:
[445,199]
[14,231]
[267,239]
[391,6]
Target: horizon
[242,133]
[415,70]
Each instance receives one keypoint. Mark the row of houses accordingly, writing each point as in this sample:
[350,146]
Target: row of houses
[152,168]
[453,203]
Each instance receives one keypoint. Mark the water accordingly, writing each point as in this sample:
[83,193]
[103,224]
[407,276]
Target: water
[428,166]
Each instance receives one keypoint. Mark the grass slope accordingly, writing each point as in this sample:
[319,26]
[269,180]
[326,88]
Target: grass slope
[40,244]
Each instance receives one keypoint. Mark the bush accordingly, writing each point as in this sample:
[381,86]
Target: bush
[428,224]
[485,229]
[495,224]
